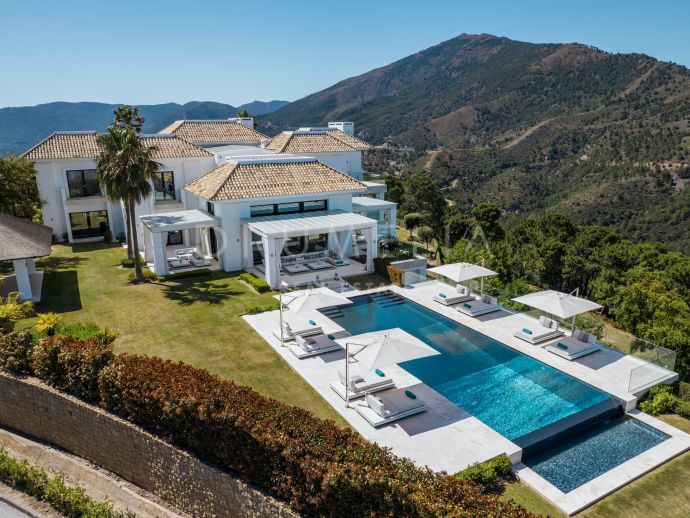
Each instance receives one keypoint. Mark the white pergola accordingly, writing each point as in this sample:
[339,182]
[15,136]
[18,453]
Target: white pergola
[276,230]
[386,212]
[157,226]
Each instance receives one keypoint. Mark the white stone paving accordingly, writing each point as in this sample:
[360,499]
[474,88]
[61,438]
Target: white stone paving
[445,437]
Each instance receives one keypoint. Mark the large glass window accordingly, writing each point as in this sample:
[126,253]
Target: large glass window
[88,224]
[175,237]
[83,182]
[288,208]
[164,185]
[262,210]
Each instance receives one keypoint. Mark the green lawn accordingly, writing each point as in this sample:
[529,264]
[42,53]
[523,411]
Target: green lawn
[197,321]
[194,320]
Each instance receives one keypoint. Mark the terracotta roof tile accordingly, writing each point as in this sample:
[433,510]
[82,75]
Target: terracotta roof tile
[216,131]
[265,178]
[325,140]
[83,144]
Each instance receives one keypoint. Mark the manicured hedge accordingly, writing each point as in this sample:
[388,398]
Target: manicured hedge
[259,285]
[388,271]
[15,352]
[318,467]
[184,275]
[71,364]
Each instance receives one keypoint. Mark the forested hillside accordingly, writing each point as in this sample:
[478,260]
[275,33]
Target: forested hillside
[600,137]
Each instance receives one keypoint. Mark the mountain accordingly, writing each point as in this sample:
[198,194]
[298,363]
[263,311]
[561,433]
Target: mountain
[601,137]
[259,108]
[22,127]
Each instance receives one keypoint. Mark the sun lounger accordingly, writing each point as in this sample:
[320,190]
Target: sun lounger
[576,346]
[361,383]
[546,329]
[178,263]
[294,325]
[338,262]
[319,265]
[296,268]
[387,407]
[450,297]
[313,346]
[477,307]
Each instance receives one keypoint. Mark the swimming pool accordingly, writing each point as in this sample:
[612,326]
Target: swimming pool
[512,393]
[584,456]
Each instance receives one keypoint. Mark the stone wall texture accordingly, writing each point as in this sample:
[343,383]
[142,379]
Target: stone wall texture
[33,408]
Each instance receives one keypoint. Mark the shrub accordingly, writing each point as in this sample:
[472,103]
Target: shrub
[47,322]
[70,501]
[488,472]
[387,271]
[660,400]
[260,285]
[183,275]
[683,408]
[148,276]
[320,468]
[253,309]
[12,310]
[127,262]
[71,365]
[15,352]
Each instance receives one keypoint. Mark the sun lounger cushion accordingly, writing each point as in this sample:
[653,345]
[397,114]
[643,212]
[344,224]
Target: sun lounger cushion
[354,379]
[376,405]
[462,290]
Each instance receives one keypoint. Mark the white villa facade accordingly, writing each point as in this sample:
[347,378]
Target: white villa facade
[218,185]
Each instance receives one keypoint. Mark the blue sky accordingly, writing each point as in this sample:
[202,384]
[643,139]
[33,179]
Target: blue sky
[152,51]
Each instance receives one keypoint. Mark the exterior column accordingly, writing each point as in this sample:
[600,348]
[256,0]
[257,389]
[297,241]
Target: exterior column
[207,241]
[381,195]
[370,236]
[21,273]
[247,252]
[160,261]
[392,220]
[68,224]
[31,266]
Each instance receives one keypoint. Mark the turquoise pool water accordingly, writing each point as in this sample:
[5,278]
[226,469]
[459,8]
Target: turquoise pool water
[593,451]
[510,392]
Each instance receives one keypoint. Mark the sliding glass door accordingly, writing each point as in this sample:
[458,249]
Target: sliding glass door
[88,224]
[164,186]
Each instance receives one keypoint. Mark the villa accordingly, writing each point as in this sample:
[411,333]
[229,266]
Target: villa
[227,197]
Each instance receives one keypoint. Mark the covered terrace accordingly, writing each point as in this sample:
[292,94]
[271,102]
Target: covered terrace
[339,228]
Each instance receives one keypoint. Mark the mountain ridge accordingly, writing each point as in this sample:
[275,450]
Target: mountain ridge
[603,137]
[24,126]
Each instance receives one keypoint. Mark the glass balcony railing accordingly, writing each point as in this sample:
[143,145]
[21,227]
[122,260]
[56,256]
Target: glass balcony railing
[171,196]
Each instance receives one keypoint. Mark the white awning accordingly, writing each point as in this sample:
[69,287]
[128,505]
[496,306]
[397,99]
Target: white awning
[307,223]
[179,220]
[364,204]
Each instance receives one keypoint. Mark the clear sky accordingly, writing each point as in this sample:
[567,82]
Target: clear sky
[153,51]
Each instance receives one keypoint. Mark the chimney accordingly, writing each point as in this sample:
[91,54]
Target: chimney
[247,122]
[346,127]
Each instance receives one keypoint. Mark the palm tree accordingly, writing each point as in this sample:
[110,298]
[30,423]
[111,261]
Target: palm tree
[124,169]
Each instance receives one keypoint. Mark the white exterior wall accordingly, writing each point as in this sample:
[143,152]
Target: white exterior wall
[349,163]
[51,179]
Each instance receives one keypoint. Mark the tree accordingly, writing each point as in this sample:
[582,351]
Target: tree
[412,221]
[128,116]
[18,190]
[124,168]
[395,188]
[422,194]
[244,114]
[426,235]
[487,215]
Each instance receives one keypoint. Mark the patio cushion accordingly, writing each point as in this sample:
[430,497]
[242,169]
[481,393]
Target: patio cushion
[467,305]
[442,295]
[376,405]
[410,394]
[379,372]
[525,330]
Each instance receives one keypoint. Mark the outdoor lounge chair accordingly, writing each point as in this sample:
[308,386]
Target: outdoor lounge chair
[308,347]
[448,298]
[296,268]
[387,407]
[576,346]
[294,325]
[178,263]
[474,308]
[546,329]
[361,383]
[319,265]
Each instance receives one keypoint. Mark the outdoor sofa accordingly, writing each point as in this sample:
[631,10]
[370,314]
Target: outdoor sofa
[474,308]
[384,408]
[576,346]
[307,347]
[546,329]
[449,297]
[361,383]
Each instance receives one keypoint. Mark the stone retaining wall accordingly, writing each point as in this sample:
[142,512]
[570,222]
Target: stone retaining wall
[33,408]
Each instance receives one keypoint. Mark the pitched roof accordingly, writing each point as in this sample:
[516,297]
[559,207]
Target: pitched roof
[320,140]
[23,239]
[208,131]
[83,144]
[261,178]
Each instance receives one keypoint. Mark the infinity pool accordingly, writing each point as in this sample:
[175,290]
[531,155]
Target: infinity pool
[510,392]
[593,451]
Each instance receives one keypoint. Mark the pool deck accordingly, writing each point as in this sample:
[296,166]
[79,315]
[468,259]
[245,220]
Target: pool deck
[445,437]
